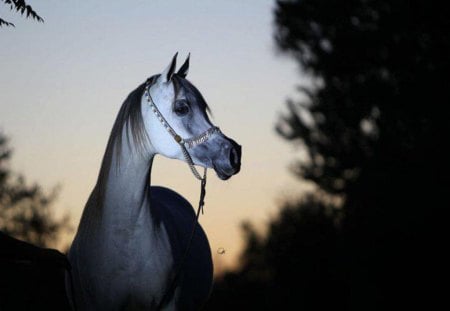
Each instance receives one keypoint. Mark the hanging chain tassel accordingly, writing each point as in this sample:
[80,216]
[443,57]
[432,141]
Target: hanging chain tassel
[190,142]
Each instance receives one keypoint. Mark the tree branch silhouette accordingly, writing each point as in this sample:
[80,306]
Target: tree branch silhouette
[26,211]
[21,7]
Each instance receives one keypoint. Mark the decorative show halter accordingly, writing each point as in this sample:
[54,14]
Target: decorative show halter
[184,143]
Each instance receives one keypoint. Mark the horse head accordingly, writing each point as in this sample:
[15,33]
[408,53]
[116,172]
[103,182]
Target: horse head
[173,106]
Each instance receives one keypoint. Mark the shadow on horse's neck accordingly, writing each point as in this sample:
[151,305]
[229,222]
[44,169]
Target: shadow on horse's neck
[121,192]
[125,171]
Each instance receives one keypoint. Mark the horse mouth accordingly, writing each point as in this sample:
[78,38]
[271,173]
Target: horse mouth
[229,163]
[224,174]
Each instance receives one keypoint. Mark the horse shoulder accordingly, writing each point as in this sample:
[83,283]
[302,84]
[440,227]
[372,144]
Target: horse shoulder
[165,197]
[178,217]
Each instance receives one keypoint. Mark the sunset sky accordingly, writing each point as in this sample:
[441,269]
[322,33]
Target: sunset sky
[62,83]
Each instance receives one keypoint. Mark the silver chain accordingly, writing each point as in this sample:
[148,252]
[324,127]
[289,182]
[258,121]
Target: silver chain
[190,142]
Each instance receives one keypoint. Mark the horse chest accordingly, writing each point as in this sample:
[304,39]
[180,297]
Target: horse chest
[122,273]
[141,268]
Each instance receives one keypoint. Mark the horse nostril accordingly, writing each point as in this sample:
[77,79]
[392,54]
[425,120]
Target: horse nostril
[234,157]
[233,151]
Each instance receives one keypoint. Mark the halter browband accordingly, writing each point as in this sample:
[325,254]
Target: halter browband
[183,142]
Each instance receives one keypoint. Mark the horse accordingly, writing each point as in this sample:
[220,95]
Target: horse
[31,277]
[133,249]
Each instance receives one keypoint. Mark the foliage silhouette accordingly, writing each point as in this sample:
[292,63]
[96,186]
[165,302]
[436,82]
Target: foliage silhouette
[289,268]
[26,211]
[21,7]
[374,130]
[31,277]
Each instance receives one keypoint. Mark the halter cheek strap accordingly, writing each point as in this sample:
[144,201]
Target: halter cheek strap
[184,143]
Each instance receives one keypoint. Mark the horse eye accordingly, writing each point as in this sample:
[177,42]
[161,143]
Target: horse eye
[181,108]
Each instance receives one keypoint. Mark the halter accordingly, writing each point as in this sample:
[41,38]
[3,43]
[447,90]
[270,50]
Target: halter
[184,145]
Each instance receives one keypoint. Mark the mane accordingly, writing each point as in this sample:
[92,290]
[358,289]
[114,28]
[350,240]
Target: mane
[129,119]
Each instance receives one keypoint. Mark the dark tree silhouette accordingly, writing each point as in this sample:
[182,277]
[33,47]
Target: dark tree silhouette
[26,211]
[21,7]
[382,69]
[291,267]
[377,134]
[374,126]
[31,277]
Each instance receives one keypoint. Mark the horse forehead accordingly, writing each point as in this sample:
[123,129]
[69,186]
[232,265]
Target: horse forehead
[163,92]
[169,92]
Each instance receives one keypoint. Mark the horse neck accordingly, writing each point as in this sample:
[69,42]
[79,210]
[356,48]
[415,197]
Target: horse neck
[120,196]
[127,184]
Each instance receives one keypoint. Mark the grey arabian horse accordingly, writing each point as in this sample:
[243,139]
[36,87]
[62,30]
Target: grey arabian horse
[133,249]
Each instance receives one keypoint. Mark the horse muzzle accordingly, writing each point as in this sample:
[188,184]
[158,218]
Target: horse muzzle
[229,161]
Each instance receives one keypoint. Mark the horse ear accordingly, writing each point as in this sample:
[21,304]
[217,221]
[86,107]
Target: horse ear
[167,74]
[183,71]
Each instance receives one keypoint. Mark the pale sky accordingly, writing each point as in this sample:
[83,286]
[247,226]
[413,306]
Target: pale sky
[62,83]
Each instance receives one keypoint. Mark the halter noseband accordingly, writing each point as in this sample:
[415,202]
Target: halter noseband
[183,142]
